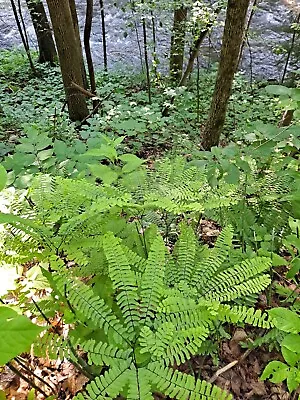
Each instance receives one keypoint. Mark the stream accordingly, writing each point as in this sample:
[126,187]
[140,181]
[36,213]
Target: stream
[263,58]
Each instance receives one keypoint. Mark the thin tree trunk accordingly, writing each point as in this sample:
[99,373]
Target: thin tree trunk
[47,50]
[290,49]
[253,9]
[154,54]
[87,46]
[193,55]
[177,43]
[23,36]
[231,46]
[70,57]
[194,52]
[102,12]
[146,56]
[77,35]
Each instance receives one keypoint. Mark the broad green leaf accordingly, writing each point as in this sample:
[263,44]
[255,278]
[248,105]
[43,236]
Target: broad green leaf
[233,174]
[11,176]
[17,334]
[45,154]
[60,147]
[278,90]
[103,172]
[295,93]
[295,268]
[104,151]
[43,142]
[31,395]
[290,357]
[293,379]
[292,240]
[3,177]
[2,395]
[275,371]
[132,162]
[80,147]
[285,320]
[292,343]
[25,148]
[23,181]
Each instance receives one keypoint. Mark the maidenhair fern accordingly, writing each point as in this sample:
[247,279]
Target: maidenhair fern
[156,322]
[70,216]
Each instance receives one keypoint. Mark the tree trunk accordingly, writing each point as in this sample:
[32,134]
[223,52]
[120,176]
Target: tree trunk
[47,50]
[103,27]
[230,51]
[70,57]
[23,34]
[195,49]
[87,46]
[77,35]
[177,43]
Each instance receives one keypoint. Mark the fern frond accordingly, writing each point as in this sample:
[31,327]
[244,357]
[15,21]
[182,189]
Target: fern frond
[254,285]
[241,314]
[239,280]
[205,270]
[124,281]
[171,345]
[152,282]
[83,300]
[139,387]
[182,386]
[184,255]
[101,353]
[51,346]
[109,385]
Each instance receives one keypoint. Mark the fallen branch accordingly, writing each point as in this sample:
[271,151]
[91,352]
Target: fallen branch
[87,93]
[95,109]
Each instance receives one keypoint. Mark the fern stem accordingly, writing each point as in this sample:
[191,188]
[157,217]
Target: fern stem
[26,379]
[24,366]
[80,364]
[142,236]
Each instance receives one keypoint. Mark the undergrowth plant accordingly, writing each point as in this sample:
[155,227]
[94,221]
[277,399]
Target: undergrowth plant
[154,313]
[64,214]
[288,322]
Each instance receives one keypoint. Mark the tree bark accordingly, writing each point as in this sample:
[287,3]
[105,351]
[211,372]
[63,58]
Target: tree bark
[70,57]
[177,43]
[77,35]
[23,35]
[230,51]
[103,27]
[47,50]
[87,46]
[194,52]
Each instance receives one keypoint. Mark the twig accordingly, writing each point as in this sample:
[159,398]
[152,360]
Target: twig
[17,372]
[93,112]
[24,366]
[80,364]
[229,366]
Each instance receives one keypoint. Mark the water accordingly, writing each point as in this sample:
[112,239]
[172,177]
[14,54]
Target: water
[270,31]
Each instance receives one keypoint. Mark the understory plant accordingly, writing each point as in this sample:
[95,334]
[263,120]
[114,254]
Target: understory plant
[149,315]
[288,322]
[142,310]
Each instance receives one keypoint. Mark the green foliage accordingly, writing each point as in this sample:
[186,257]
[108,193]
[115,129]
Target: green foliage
[152,322]
[17,334]
[277,371]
